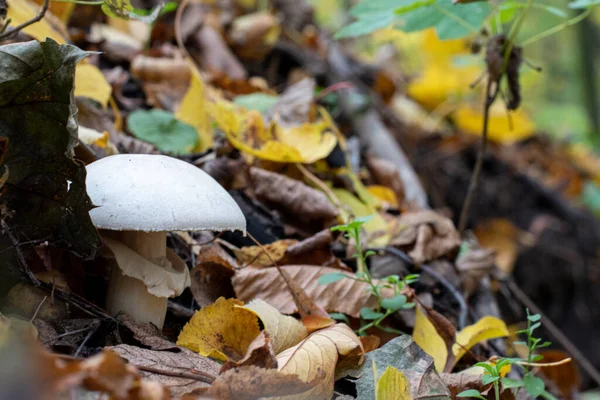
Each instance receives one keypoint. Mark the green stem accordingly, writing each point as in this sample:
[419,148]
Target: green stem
[558,28]
[497,390]
[375,322]
[514,31]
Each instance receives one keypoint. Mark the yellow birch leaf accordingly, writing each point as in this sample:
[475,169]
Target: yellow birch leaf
[392,385]
[384,194]
[486,328]
[470,121]
[425,335]
[62,11]
[376,227]
[21,11]
[284,331]
[318,357]
[221,330]
[90,83]
[193,111]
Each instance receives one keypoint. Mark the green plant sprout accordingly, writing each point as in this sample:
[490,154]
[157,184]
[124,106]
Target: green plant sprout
[385,306]
[534,386]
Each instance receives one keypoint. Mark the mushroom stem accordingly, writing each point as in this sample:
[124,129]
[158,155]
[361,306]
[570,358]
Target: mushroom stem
[131,295]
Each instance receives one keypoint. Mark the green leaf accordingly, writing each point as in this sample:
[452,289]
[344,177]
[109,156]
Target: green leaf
[364,26]
[44,196]
[260,102]
[487,366]
[590,196]
[487,379]
[369,315]
[339,317]
[534,385]
[548,395]
[394,303]
[537,357]
[510,7]
[163,130]
[534,317]
[471,393]
[331,278]
[509,383]
[584,3]
[124,10]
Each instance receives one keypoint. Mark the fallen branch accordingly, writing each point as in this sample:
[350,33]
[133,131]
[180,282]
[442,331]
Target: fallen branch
[24,25]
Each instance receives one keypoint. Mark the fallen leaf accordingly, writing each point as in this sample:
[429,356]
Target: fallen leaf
[426,336]
[322,357]
[211,277]
[346,296]
[21,11]
[260,354]
[501,129]
[370,342]
[253,383]
[221,331]
[285,331]
[192,111]
[391,385]
[386,174]
[405,355]
[426,235]
[252,36]
[182,361]
[384,194]
[566,377]
[485,328]
[256,255]
[293,196]
[163,130]
[501,236]
[91,83]
[146,333]
[62,11]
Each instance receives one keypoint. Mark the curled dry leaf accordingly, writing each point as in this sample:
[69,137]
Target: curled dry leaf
[182,361]
[426,235]
[386,174]
[211,278]
[346,296]
[260,354]
[322,357]
[220,331]
[253,383]
[252,36]
[284,330]
[147,333]
[291,195]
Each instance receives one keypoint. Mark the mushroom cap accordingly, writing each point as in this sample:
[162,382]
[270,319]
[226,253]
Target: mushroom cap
[152,193]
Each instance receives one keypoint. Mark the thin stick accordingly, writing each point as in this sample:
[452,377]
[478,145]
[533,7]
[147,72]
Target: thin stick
[464,213]
[558,28]
[62,335]
[87,337]
[20,257]
[552,364]
[37,310]
[24,25]
[555,331]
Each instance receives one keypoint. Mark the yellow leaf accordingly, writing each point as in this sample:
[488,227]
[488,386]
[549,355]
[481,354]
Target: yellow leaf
[193,111]
[318,357]
[384,193]
[21,11]
[470,121]
[440,82]
[376,227]
[62,11]
[284,331]
[246,130]
[90,83]
[256,255]
[425,335]
[220,331]
[392,385]
[486,328]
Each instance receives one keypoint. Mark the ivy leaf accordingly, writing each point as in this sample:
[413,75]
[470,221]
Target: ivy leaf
[163,130]
[124,10]
[584,3]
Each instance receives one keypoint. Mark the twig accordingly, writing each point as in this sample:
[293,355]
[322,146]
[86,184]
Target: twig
[490,97]
[37,310]
[62,335]
[555,331]
[20,257]
[551,364]
[24,25]
[79,302]
[92,329]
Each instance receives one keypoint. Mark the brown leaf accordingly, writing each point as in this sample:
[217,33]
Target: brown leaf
[147,333]
[183,361]
[385,173]
[566,377]
[260,354]
[291,195]
[252,36]
[459,382]
[370,342]
[295,104]
[314,250]
[347,296]
[252,383]
[427,235]
[211,278]
[322,357]
[447,332]
[257,255]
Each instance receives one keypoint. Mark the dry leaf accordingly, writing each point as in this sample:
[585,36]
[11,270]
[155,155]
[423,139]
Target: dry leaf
[252,36]
[392,385]
[486,328]
[91,83]
[184,360]
[260,354]
[295,104]
[346,296]
[426,336]
[211,278]
[566,377]
[386,174]
[146,333]
[256,255]
[253,383]
[500,128]
[370,342]
[285,331]
[220,331]
[193,111]
[293,196]
[21,11]
[322,356]
[62,11]
[384,194]
[501,236]
[427,235]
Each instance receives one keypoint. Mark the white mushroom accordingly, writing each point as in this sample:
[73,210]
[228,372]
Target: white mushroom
[138,199]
